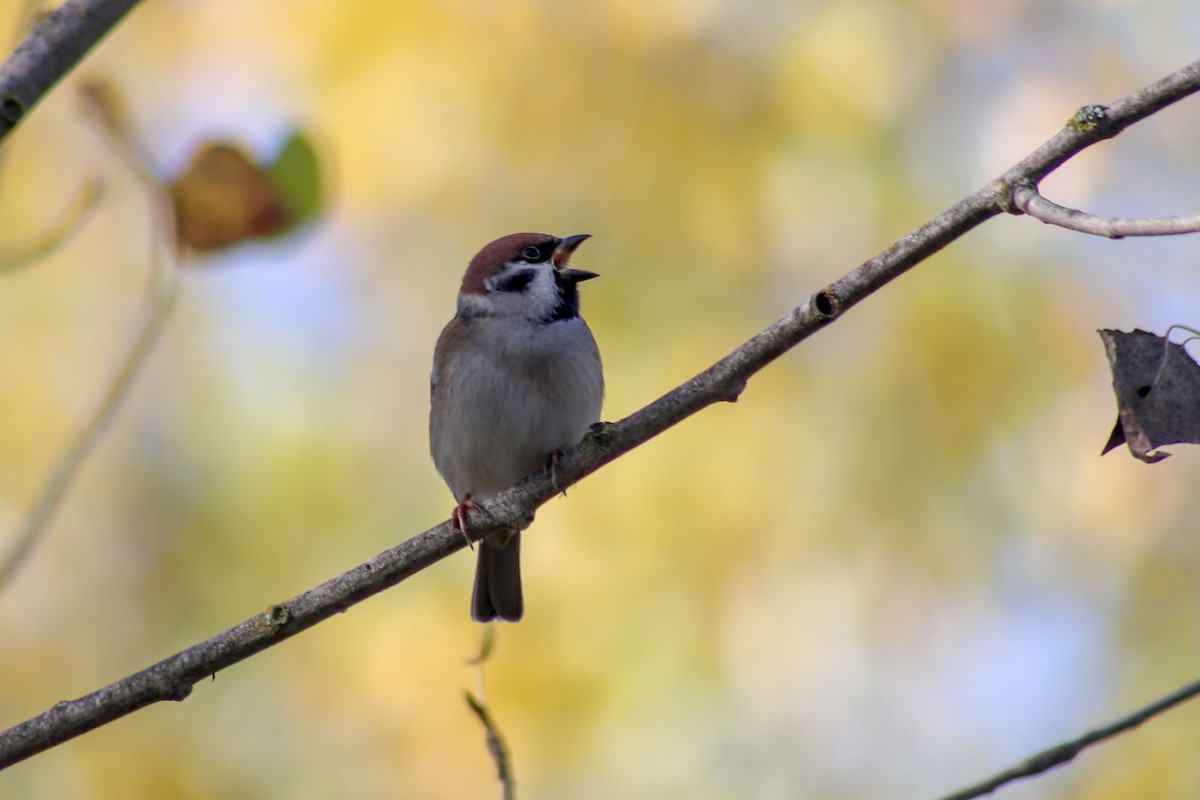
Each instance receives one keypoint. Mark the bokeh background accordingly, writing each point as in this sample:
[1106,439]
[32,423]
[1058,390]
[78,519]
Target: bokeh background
[895,566]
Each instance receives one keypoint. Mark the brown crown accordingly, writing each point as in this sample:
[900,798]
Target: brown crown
[505,249]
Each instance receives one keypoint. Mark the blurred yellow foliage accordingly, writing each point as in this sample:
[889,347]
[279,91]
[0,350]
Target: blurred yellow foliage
[894,566]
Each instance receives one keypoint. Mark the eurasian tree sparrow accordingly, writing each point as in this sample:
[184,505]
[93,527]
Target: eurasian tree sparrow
[516,379]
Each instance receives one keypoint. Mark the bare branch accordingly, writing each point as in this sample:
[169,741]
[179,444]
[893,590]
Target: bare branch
[173,678]
[18,256]
[1062,753]
[1029,200]
[159,307]
[478,703]
[57,42]
[160,302]
[496,747]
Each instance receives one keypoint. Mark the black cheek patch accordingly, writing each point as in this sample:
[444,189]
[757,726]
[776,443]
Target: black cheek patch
[515,282]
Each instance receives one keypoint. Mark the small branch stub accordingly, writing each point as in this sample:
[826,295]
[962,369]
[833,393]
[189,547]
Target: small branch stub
[175,689]
[11,110]
[826,303]
[1089,119]
[278,616]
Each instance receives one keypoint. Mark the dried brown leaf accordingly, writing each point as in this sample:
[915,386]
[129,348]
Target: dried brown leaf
[1158,393]
[224,198]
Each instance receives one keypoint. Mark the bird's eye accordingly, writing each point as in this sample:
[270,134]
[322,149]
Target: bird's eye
[531,253]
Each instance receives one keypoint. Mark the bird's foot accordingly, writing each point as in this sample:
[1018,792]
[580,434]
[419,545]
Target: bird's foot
[458,517]
[552,465]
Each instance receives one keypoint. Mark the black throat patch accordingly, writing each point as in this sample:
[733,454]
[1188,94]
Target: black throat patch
[567,306]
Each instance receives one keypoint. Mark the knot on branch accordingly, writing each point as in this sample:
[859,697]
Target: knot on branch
[600,432]
[11,110]
[1008,195]
[826,303]
[278,616]
[1091,119]
[171,687]
[1048,759]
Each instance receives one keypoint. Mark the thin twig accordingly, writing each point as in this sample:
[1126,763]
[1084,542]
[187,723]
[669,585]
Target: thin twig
[24,254]
[487,641]
[160,302]
[55,44]
[1033,203]
[478,703]
[160,305]
[496,747]
[1062,753]
[1166,353]
[173,678]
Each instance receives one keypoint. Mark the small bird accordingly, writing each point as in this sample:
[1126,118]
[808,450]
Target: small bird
[516,380]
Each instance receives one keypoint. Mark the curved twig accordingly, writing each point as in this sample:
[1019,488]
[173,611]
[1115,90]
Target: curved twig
[14,257]
[1060,754]
[496,746]
[159,307]
[160,302]
[173,678]
[1032,202]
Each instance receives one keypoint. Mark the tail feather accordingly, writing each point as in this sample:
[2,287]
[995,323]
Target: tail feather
[497,593]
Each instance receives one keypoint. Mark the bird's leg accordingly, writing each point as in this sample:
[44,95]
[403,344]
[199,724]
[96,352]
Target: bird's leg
[458,517]
[552,465]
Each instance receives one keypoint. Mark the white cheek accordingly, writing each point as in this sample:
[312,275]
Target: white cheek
[536,300]
[542,292]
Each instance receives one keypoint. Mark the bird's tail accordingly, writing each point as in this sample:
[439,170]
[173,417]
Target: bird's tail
[497,593]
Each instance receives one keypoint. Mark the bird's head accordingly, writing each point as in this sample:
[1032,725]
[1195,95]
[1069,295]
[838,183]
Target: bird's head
[524,275]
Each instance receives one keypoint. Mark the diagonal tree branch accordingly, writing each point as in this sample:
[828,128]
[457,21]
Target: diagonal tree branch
[55,44]
[173,678]
[1061,754]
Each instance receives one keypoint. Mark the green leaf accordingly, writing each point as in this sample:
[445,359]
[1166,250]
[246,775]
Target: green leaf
[296,173]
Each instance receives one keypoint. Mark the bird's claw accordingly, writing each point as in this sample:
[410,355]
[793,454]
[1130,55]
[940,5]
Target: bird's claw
[552,465]
[458,517]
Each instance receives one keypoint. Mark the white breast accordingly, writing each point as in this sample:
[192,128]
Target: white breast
[509,393]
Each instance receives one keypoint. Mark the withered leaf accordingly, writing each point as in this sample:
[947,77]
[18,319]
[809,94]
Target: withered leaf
[1158,393]
[224,198]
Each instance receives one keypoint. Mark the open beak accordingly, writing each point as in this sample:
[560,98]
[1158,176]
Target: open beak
[562,256]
